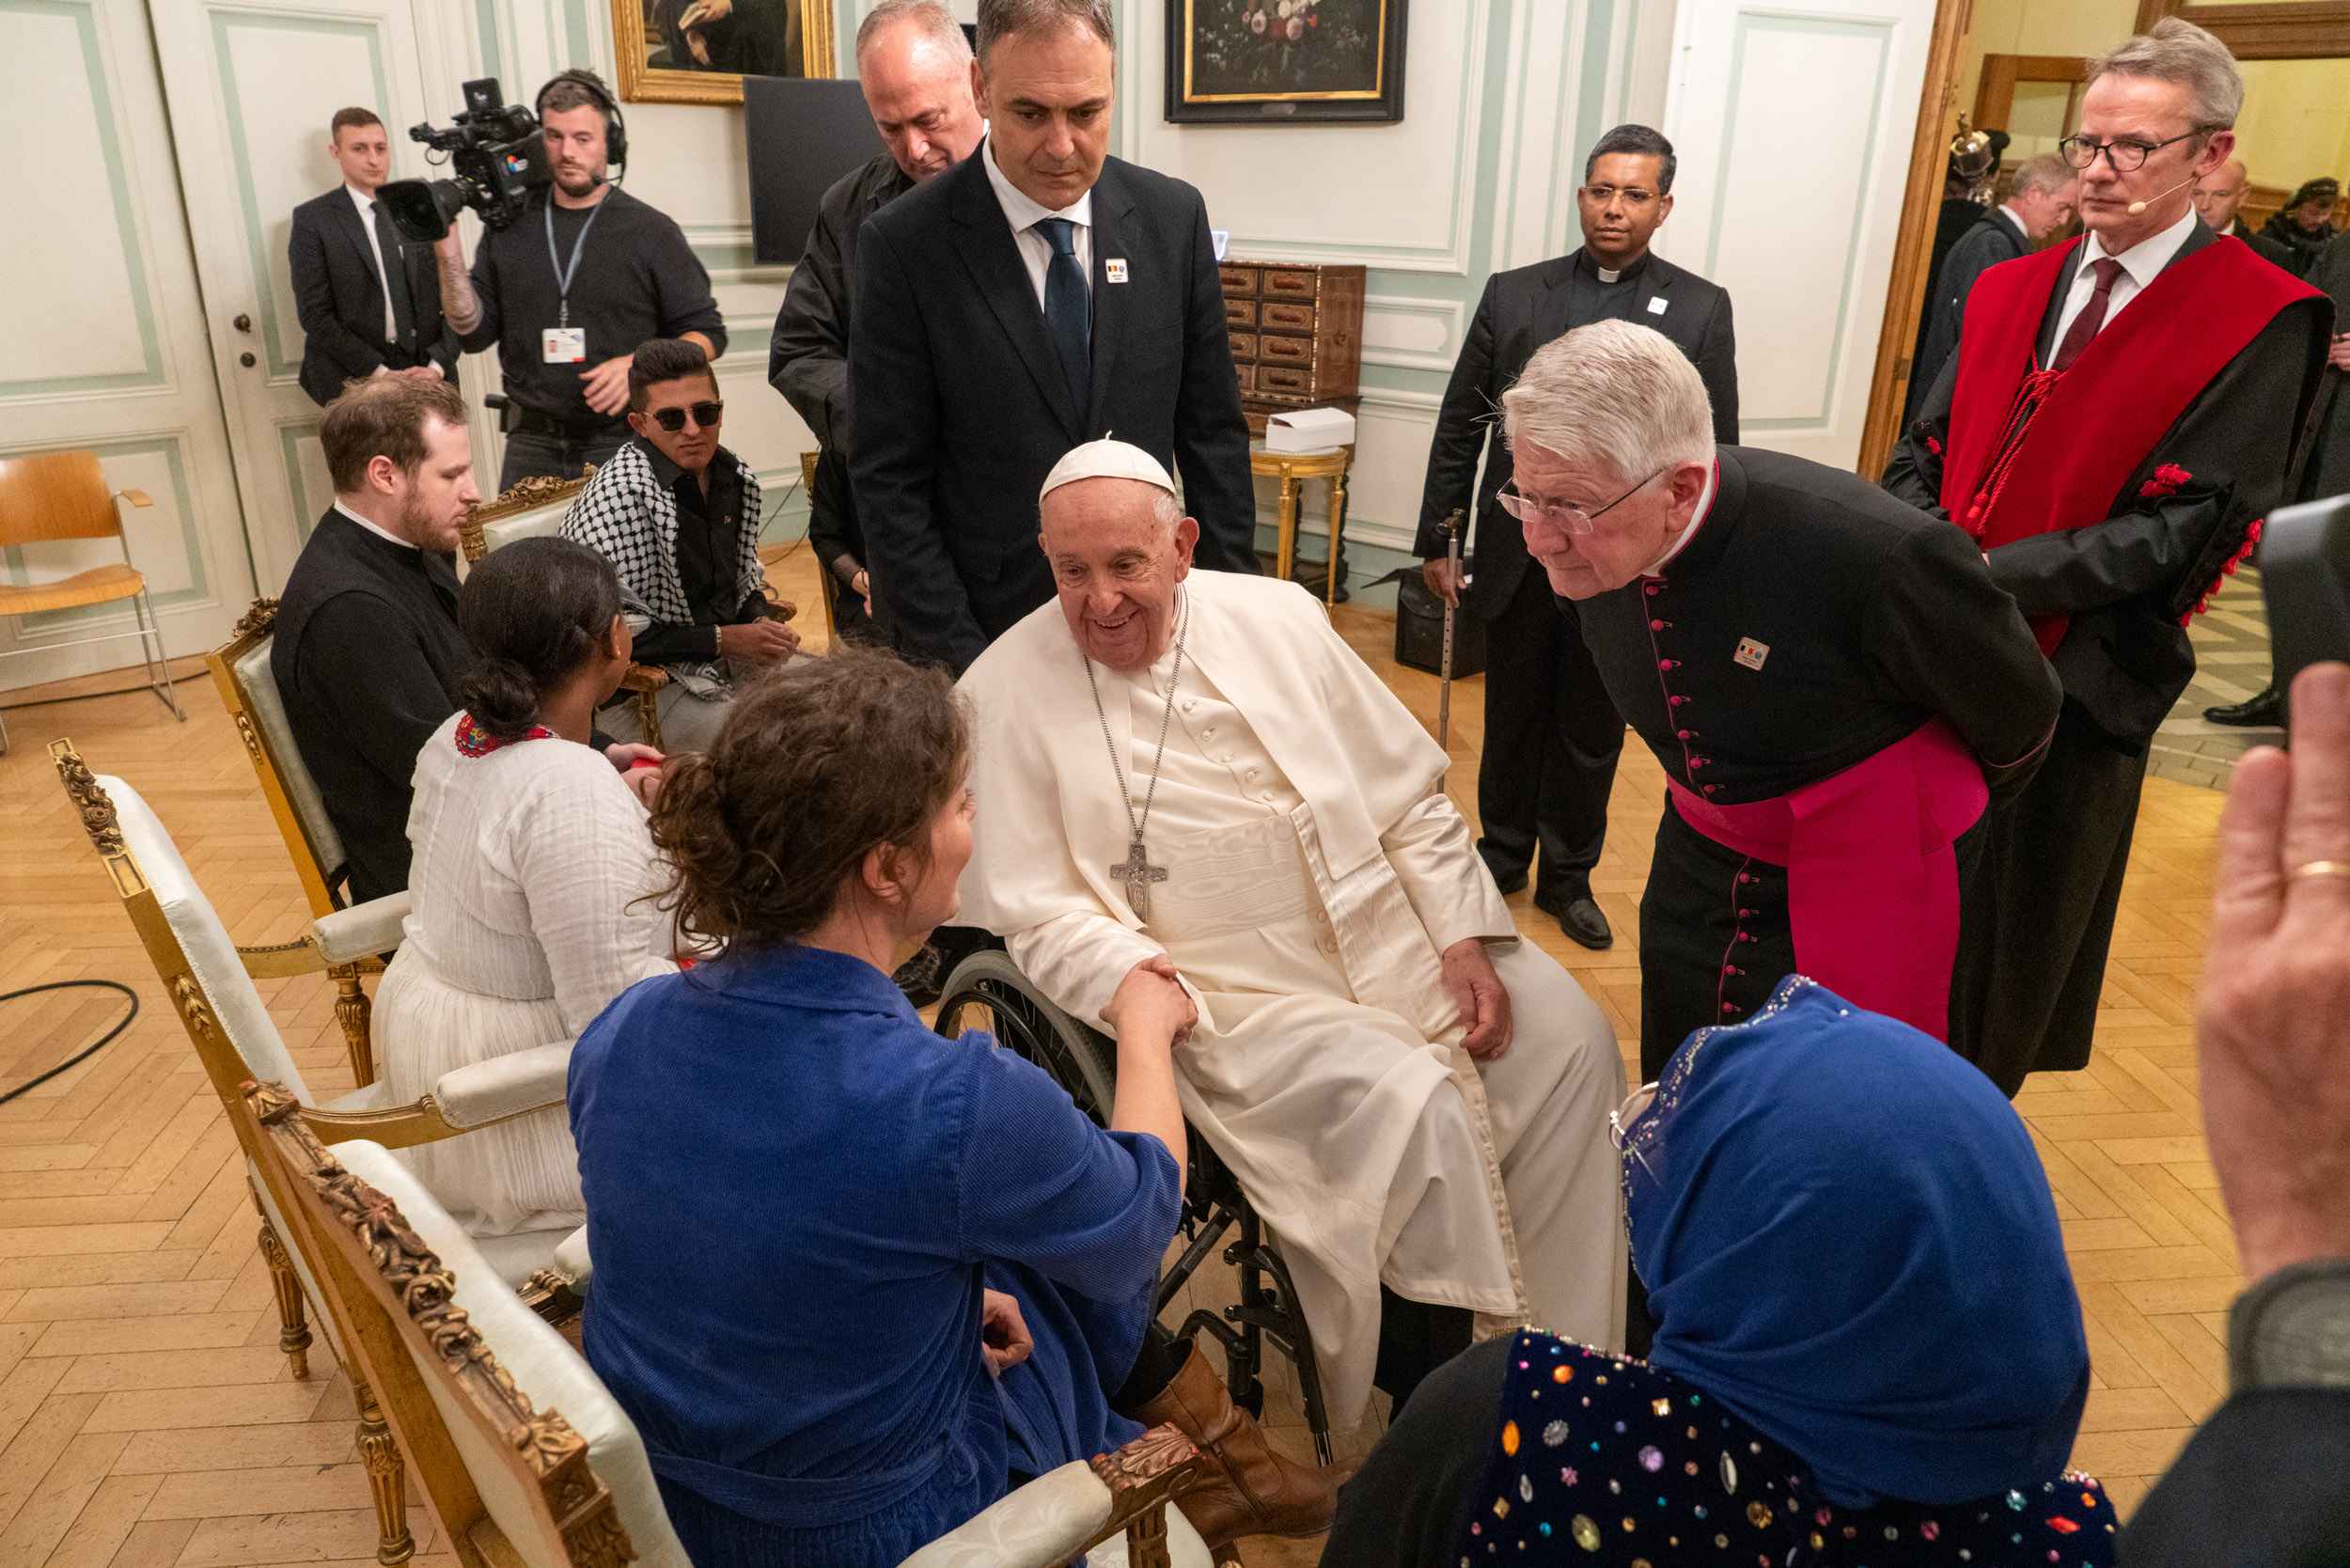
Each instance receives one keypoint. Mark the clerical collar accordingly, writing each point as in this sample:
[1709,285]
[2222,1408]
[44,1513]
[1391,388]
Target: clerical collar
[371,528]
[1697,520]
[1615,275]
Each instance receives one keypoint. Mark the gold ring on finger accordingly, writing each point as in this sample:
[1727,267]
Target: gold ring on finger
[2317,868]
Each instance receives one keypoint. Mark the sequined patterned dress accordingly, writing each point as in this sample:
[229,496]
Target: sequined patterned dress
[1614,1464]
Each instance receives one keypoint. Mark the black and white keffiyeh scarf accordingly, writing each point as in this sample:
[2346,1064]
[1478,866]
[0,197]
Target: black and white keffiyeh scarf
[628,517]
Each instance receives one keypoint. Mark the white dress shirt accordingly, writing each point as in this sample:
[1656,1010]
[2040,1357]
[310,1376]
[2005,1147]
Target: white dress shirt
[372,529]
[366,226]
[1022,212]
[2139,263]
[2011,216]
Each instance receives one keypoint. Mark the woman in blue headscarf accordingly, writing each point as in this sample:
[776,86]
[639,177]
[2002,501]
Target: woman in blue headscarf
[1869,1349]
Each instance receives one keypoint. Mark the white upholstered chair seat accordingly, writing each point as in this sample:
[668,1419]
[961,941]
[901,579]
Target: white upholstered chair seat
[1046,1521]
[236,1005]
[543,1364]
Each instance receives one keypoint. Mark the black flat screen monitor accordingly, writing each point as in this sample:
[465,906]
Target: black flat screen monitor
[801,135]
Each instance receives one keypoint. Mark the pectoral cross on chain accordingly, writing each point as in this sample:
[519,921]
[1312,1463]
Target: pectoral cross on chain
[1138,874]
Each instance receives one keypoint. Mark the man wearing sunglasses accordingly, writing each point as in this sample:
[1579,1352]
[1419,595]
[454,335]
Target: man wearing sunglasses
[677,515]
[2119,415]
[1552,737]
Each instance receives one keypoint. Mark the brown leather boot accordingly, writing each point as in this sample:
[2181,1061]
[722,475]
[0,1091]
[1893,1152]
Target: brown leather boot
[1249,1489]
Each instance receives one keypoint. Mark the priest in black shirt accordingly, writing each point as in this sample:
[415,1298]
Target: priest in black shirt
[569,289]
[1552,737]
[914,66]
[366,647]
[677,515]
[1830,679]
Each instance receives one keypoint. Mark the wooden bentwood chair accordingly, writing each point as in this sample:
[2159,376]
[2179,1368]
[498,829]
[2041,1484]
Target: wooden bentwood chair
[523,1451]
[209,980]
[50,498]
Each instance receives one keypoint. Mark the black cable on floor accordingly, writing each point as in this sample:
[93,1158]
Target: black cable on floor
[79,1057]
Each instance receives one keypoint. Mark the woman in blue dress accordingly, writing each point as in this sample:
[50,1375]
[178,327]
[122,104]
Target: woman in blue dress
[851,1278]
[1869,1351]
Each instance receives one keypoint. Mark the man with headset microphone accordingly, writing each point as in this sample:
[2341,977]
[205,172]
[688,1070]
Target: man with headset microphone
[568,290]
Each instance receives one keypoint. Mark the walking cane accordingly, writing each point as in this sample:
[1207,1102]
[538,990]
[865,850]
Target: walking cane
[1452,577]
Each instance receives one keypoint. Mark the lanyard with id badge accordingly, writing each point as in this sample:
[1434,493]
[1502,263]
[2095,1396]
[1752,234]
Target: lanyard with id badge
[563,343]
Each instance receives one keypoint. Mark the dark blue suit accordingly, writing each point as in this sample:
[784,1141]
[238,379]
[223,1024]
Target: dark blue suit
[958,406]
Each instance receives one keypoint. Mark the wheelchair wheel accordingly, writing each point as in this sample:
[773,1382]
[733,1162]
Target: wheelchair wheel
[987,990]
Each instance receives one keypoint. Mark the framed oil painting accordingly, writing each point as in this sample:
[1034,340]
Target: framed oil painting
[1261,62]
[698,51]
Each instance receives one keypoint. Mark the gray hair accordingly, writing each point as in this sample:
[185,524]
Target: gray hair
[933,20]
[1614,393]
[2176,51]
[1000,19]
[1638,141]
[2047,174]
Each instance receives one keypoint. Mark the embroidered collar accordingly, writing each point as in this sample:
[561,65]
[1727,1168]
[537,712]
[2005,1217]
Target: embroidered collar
[473,740]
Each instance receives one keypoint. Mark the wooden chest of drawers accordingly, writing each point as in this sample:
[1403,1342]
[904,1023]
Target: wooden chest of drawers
[1297,335]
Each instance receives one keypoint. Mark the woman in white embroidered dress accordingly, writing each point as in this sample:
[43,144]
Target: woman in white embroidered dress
[532,865]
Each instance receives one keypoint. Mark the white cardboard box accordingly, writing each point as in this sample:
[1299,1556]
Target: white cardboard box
[1308,430]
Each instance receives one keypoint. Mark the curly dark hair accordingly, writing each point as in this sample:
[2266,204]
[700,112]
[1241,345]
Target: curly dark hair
[818,765]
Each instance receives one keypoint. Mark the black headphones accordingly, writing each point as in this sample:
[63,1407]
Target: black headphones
[615,128]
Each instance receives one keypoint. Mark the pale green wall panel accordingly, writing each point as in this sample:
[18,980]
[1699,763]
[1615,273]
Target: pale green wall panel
[81,318]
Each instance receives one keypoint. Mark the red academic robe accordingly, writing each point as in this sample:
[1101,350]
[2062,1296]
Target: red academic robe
[2109,500]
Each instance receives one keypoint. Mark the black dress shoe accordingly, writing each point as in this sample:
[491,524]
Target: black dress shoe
[2266,711]
[1579,918]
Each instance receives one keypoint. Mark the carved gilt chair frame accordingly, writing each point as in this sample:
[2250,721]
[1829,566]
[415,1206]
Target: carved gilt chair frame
[397,1302]
[397,1127]
[392,1299]
[352,1008]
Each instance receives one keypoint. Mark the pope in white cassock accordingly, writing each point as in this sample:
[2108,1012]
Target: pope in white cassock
[1192,766]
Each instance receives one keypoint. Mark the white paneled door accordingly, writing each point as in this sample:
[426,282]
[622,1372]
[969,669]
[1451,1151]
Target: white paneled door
[253,85]
[1792,129]
[102,344]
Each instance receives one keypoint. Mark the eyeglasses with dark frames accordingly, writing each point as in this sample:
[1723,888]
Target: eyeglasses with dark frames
[2127,156]
[673,419]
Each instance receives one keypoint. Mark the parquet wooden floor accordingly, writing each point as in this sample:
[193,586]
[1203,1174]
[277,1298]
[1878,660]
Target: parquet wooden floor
[148,1420]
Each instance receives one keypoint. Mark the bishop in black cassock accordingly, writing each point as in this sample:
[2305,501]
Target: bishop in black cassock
[1832,682]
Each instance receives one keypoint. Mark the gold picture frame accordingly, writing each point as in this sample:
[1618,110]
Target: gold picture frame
[648,36]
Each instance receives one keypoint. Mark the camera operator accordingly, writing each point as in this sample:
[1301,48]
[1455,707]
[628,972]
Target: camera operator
[570,289]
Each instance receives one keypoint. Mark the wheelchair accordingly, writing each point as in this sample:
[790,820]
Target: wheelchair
[988,991]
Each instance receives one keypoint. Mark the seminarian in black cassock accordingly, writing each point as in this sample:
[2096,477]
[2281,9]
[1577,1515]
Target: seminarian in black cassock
[1552,736]
[2120,415]
[1830,679]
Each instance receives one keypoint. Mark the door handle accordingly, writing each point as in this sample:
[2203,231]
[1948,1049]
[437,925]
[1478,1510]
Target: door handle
[245,360]
[243,323]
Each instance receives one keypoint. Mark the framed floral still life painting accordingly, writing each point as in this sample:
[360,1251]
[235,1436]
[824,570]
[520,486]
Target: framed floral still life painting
[1267,61]
[698,51]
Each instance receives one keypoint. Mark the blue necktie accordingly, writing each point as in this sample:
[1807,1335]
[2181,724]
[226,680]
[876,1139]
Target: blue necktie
[1069,309]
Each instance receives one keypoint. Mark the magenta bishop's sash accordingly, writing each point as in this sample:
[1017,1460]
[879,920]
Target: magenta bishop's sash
[1871,878]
